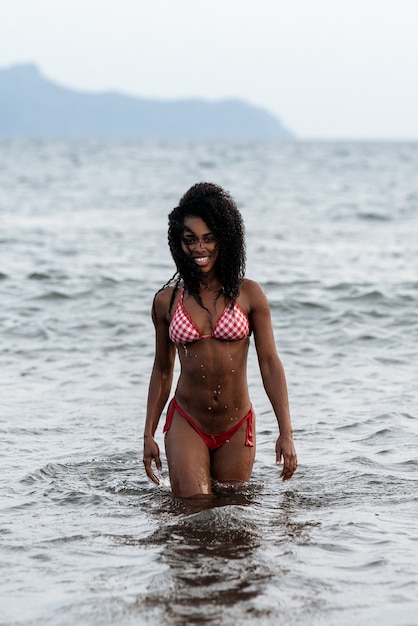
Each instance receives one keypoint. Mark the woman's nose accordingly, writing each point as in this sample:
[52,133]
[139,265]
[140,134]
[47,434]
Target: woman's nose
[198,243]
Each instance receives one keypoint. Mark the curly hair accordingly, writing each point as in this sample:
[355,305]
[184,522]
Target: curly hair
[218,210]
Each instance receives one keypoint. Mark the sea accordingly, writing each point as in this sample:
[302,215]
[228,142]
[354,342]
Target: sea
[85,538]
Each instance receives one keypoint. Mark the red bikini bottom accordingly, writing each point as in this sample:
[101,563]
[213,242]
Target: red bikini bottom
[212,440]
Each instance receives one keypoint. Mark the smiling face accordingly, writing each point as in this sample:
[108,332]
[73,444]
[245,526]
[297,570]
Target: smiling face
[199,243]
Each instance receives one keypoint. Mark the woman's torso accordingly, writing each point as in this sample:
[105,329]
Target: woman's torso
[212,386]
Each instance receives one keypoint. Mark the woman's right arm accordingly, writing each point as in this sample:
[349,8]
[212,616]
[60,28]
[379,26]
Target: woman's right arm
[160,381]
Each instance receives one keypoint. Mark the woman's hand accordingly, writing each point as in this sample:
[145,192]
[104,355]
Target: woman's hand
[151,452]
[285,450]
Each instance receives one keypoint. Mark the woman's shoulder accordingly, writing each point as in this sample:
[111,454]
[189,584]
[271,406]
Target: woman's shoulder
[164,293]
[165,298]
[251,287]
[248,283]
[251,294]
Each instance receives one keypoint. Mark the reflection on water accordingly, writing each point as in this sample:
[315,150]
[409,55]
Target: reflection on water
[215,554]
[205,552]
[330,236]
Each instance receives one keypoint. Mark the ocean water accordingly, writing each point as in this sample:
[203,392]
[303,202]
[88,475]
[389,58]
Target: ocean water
[85,538]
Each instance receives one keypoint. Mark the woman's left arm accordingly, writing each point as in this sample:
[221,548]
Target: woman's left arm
[273,376]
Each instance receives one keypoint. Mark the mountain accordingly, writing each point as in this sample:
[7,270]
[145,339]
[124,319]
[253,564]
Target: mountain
[32,106]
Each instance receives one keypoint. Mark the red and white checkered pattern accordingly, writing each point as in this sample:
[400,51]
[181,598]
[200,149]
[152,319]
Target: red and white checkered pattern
[231,326]
[182,328]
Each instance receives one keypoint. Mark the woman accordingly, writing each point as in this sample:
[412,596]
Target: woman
[207,312]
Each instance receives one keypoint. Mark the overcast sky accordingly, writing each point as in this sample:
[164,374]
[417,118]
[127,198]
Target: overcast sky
[344,69]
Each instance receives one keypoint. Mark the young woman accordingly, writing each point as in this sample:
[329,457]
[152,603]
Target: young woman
[207,312]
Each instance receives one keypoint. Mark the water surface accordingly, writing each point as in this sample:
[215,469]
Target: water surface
[85,538]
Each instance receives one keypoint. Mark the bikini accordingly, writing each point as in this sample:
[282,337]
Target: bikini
[212,440]
[232,325]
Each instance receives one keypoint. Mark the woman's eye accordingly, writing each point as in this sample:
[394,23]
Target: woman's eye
[192,241]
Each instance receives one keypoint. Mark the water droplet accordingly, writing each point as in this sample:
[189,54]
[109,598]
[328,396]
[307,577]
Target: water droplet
[209,408]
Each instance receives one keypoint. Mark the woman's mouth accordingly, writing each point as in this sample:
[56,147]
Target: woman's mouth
[201,261]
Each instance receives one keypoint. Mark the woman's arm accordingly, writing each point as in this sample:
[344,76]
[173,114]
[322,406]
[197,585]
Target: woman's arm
[273,377]
[160,382]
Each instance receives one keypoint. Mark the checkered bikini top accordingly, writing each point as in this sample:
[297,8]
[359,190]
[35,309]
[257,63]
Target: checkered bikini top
[231,326]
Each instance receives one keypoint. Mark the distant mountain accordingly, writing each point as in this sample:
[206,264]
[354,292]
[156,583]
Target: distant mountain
[32,106]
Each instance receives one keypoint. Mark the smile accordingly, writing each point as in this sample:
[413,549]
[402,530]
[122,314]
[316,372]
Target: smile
[201,260]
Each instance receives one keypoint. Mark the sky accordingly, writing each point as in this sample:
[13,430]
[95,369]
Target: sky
[328,69]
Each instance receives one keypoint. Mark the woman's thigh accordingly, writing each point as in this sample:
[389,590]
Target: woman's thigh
[188,460]
[234,461]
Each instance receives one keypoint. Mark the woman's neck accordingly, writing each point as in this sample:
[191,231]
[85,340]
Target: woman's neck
[211,284]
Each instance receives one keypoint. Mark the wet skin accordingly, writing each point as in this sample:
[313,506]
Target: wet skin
[212,386]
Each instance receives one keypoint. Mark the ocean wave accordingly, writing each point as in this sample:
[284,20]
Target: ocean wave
[39,276]
[374,216]
[53,296]
[86,482]
[81,262]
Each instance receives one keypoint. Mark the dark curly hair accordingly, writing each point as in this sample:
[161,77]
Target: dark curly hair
[218,210]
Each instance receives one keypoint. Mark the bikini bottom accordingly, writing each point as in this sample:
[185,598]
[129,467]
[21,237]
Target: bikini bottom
[212,440]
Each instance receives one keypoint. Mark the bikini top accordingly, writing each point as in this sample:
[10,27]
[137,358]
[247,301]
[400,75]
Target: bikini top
[231,326]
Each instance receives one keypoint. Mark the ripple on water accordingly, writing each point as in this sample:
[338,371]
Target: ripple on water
[335,545]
